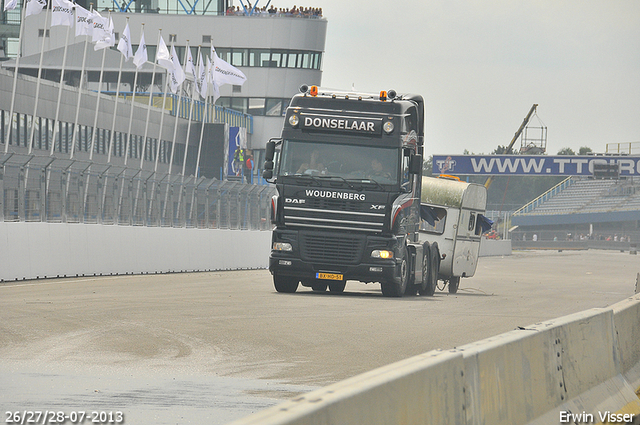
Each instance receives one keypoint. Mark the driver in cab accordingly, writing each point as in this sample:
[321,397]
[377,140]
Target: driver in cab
[378,170]
[314,166]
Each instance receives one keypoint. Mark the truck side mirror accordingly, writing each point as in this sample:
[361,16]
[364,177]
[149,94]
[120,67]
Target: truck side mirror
[415,167]
[270,151]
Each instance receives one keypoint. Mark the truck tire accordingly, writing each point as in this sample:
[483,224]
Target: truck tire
[435,266]
[286,284]
[428,286]
[397,289]
[337,287]
[454,283]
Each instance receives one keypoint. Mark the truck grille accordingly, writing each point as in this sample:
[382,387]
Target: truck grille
[349,218]
[332,248]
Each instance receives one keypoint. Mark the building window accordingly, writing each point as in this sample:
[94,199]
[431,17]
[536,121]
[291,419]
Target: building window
[256,106]
[41,33]
[173,38]
[206,39]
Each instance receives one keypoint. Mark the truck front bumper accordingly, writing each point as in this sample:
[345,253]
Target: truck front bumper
[356,264]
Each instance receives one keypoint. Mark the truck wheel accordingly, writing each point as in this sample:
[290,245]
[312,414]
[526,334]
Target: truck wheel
[337,287]
[285,284]
[397,289]
[435,266]
[428,286]
[454,283]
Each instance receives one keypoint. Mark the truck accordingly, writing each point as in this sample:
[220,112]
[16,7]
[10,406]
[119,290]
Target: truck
[351,202]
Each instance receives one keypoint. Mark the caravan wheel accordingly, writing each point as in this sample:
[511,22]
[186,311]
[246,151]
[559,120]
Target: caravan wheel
[454,283]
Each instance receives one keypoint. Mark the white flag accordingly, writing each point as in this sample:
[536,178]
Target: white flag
[84,21]
[163,57]
[216,92]
[225,73]
[191,69]
[34,7]
[107,38]
[176,76]
[141,53]
[62,13]
[124,45]
[201,81]
[100,25]
[10,4]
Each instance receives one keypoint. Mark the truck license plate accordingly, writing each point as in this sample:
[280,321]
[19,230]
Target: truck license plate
[329,276]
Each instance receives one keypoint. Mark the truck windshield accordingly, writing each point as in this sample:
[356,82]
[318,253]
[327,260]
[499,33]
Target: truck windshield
[353,163]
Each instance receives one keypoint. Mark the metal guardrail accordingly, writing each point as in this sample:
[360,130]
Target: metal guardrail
[46,189]
[548,194]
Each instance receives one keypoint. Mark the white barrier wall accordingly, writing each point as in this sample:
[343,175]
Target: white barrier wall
[38,250]
[492,247]
[584,364]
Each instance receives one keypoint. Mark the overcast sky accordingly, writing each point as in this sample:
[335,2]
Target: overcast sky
[481,65]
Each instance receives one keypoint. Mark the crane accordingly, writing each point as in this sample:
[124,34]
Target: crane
[515,137]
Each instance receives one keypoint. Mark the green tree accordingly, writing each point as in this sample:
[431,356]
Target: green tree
[566,151]
[585,150]
[500,150]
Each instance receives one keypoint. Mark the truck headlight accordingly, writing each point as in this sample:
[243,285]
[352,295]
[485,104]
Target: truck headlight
[388,127]
[294,120]
[381,253]
[282,246]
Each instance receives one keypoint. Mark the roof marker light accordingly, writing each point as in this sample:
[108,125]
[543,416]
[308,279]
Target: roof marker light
[383,96]
[313,91]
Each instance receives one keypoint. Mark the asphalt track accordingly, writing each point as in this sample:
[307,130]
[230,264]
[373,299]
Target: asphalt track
[212,347]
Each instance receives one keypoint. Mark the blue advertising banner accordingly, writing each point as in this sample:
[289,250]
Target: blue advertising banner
[531,165]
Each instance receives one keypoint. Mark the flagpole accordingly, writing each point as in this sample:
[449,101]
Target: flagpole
[64,62]
[153,79]
[95,118]
[115,107]
[94,133]
[82,69]
[115,111]
[175,127]
[133,98]
[164,100]
[162,113]
[186,147]
[128,142]
[204,119]
[15,79]
[175,132]
[146,125]
[35,106]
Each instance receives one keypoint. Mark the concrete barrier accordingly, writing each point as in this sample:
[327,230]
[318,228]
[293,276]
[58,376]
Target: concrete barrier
[586,364]
[492,247]
[39,250]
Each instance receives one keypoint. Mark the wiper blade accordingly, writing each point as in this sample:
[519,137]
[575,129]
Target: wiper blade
[306,178]
[370,180]
[367,181]
[341,179]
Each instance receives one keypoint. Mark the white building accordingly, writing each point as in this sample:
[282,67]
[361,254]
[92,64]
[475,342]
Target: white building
[276,52]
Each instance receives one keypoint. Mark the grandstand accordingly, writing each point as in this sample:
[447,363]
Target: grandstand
[586,206]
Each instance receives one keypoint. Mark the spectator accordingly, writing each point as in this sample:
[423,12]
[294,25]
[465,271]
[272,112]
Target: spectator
[248,167]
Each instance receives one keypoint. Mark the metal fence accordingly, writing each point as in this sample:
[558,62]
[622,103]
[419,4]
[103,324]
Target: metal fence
[45,189]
